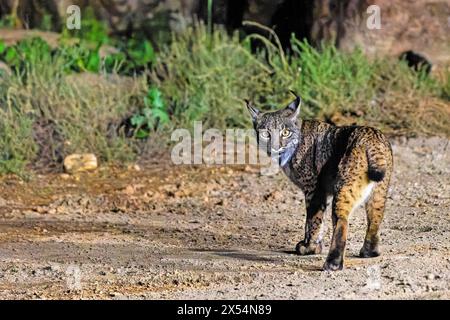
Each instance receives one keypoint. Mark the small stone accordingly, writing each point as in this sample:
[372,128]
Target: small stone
[29,214]
[431,276]
[40,209]
[134,167]
[80,163]
[129,190]
[65,176]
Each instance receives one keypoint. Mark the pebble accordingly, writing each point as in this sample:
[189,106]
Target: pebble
[65,176]
[80,163]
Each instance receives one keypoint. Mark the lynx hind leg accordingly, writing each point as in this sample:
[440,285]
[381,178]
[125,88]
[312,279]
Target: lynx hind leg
[375,211]
[353,189]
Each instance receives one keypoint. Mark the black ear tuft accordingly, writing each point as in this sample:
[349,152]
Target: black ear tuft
[294,106]
[253,111]
[293,93]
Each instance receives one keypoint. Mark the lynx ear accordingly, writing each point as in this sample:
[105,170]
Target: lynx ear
[253,111]
[294,106]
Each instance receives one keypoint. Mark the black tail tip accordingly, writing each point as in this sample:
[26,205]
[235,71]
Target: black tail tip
[376,174]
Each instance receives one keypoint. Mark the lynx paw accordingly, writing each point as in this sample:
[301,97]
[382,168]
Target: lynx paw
[369,251]
[303,248]
[333,265]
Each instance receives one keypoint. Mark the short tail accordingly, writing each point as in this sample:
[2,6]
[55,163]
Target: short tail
[377,164]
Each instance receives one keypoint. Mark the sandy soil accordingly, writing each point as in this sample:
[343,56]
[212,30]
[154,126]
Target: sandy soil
[216,232]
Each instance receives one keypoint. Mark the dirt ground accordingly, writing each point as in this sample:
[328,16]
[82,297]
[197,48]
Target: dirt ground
[180,232]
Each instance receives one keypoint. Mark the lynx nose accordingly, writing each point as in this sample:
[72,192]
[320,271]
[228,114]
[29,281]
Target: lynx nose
[277,150]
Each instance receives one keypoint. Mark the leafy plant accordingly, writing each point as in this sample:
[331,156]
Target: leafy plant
[207,76]
[135,56]
[81,59]
[92,30]
[32,50]
[141,52]
[152,115]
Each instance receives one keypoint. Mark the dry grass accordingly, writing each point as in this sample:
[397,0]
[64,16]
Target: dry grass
[47,115]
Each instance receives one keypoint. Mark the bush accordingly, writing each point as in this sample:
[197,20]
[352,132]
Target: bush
[16,145]
[84,111]
[206,77]
[68,99]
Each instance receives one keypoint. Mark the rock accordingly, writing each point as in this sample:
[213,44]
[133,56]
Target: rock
[416,61]
[134,167]
[80,163]
[405,25]
[40,209]
[129,190]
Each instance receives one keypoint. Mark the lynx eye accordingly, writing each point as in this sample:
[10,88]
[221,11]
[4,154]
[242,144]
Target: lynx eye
[264,134]
[285,133]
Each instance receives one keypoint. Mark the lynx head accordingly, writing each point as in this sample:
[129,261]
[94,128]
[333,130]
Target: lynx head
[278,132]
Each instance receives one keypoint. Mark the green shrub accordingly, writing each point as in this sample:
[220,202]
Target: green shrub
[206,77]
[28,51]
[16,144]
[85,109]
[198,76]
[152,116]
[92,30]
[327,79]
[134,55]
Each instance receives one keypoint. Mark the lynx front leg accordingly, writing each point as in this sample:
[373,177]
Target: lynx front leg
[316,204]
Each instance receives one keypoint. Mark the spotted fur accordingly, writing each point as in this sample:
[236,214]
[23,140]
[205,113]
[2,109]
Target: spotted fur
[353,164]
